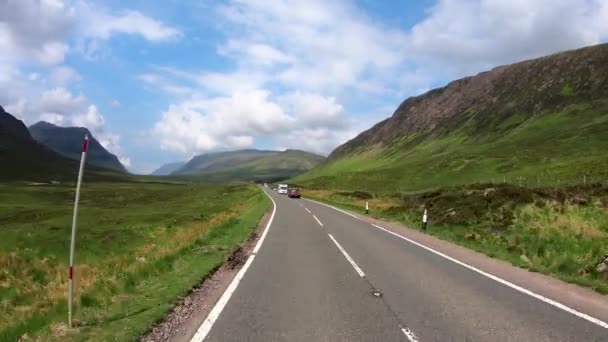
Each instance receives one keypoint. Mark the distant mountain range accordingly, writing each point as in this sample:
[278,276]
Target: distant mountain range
[249,165]
[67,141]
[167,169]
[542,121]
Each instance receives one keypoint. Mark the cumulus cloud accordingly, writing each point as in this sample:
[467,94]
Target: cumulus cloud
[126,161]
[91,118]
[235,121]
[323,45]
[98,22]
[34,31]
[294,58]
[478,34]
[208,124]
[63,75]
[60,101]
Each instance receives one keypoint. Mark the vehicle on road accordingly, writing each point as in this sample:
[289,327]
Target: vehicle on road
[282,189]
[293,193]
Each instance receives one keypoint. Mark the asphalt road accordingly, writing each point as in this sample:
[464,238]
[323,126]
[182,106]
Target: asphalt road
[321,275]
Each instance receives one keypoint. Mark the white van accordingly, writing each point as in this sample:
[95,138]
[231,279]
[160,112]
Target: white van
[282,189]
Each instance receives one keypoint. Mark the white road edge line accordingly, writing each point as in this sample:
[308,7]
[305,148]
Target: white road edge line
[409,334]
[504,282]
[319,222]
[214,314]
[338,209]
[352,262]
[308,210]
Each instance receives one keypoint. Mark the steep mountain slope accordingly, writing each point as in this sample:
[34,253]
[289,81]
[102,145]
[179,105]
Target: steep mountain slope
[167,169]
[250,165]
[22,157]
[67,141]
[542,121]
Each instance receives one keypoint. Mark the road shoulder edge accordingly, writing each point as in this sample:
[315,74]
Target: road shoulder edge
[186,318]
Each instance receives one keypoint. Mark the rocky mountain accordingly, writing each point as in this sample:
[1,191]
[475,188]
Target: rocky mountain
[543,121]
[67,141]
[167,169]
[23,157]
[250,165]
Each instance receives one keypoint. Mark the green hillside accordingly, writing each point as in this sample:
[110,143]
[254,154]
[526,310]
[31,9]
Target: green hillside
[540,122]
[249,165]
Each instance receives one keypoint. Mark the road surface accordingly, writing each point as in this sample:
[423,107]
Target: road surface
[322,275]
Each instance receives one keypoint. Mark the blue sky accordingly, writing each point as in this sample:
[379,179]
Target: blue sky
[162,81]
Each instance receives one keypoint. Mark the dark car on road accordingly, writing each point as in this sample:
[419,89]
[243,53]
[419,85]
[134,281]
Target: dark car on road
[293,192]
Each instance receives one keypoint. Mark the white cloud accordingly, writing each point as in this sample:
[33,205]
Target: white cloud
[313,110]
[473,35]
[34,31]
[254,53]
[324,45]
[91,119]
[204,124]
[200,125]
[115,103]
[99,23]
[165,84]
[126,161]
[61,101]
[63,75]
[292,60]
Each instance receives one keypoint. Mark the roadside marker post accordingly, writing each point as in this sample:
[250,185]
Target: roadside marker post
[424,220]
[83,157]
[366,207]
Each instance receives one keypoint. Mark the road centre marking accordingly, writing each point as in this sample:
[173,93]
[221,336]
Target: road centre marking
[409,334]
[308,210]
[319,222]
[352,262]
[338,209]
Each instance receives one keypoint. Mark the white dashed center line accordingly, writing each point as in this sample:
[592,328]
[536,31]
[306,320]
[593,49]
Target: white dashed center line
[409,334]
[352,262]
[319,222]
[308,210]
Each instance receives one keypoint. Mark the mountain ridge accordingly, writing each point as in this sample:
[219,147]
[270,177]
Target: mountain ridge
[167,169]
[23,157]
[514,121]
[250,164]
[67,141]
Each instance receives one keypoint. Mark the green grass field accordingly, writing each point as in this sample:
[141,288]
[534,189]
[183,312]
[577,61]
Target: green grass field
[141,247]
[562,232]
[567,147]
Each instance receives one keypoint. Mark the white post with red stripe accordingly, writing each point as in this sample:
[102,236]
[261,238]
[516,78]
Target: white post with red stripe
[73,242]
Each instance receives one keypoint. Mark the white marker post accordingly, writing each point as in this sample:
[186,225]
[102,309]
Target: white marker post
[73,242]
[367,207]
[424,220]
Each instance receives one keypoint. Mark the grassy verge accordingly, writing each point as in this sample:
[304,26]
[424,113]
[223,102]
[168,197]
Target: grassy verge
[140,248]
[562,232]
